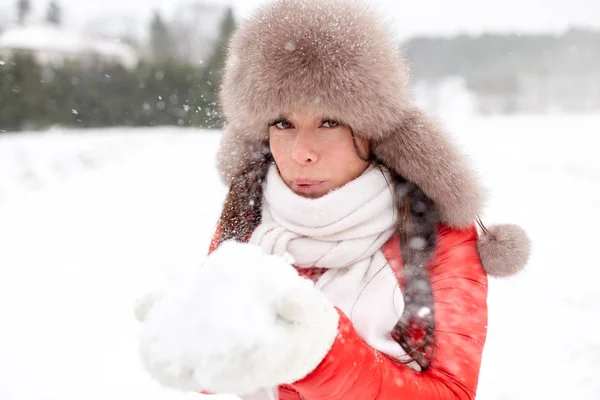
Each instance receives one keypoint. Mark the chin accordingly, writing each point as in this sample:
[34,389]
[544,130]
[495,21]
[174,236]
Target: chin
[312,194]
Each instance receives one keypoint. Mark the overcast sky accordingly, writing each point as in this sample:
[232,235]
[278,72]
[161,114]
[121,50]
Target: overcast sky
[411,17]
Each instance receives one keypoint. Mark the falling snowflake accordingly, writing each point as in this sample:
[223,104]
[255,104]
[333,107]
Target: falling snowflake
[417,243]
[423,312]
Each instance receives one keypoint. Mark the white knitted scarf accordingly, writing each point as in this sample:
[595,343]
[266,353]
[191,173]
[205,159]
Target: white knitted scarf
[344,232]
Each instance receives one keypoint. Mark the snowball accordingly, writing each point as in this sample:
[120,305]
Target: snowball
[216,312]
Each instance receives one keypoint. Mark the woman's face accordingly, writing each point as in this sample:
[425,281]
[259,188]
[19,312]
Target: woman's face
[314,154]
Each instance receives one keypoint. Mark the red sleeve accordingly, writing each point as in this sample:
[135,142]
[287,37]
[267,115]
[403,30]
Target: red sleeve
[214,243]
[353,370]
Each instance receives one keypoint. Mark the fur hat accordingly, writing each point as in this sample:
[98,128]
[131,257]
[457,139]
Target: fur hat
[339,59]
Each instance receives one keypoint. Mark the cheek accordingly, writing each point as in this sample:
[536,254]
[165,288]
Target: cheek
[342,159]
[281,151]
[276,146]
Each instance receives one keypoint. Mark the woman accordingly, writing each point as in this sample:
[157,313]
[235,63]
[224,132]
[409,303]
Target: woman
[327,161]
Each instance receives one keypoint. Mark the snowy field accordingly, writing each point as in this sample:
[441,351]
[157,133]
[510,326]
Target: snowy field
[91,220]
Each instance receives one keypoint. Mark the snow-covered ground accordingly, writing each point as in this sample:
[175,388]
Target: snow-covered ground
[91,220]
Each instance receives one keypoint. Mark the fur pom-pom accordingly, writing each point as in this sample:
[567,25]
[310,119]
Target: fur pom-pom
[503,249]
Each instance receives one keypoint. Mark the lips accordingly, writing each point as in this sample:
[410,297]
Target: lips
[306,182]
[307,187]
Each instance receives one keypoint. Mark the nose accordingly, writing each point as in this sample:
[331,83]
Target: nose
[305,151]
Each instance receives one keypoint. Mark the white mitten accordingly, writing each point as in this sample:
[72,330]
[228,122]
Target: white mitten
[243,321]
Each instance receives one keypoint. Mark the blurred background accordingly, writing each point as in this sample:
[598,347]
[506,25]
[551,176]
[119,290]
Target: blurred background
[93,64]
[109,125]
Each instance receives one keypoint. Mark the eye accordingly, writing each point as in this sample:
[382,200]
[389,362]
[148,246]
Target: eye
[329,123]
[282,124]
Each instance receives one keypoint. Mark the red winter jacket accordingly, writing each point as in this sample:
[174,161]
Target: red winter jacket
[354,371]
